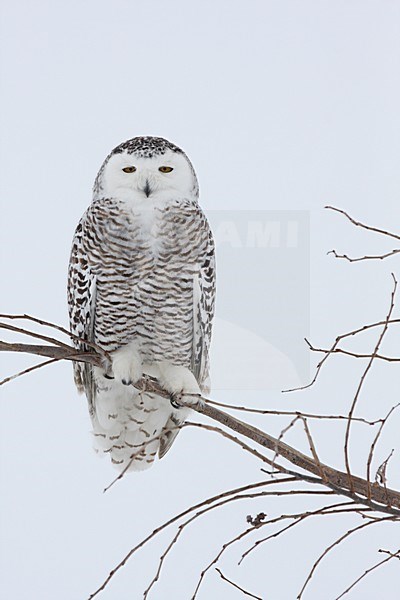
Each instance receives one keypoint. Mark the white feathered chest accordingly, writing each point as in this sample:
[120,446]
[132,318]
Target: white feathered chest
[146,270]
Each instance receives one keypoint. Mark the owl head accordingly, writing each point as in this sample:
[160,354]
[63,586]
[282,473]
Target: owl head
[146,169]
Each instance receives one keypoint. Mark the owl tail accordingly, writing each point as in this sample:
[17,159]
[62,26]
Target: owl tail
[132,427]
[169,434]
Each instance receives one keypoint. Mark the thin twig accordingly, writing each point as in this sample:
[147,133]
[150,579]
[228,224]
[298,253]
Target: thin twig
[353,354]
[60,352]
[289,413]
[245,592]
[366,257]
[393,555]
[39,336]
[201,426]
[299,519]
[333,348]
[375,566]
[182,526]
[180,516]
[313,449]
[246,532]
[336,543]
[134,455]
[363,225]
[29,370]
[373,445]
[280,438]
[71,335]
[361,383]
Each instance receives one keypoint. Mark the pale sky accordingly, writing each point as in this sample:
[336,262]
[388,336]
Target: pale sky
[281,106]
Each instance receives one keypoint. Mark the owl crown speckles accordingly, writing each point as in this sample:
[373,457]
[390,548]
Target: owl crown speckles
[146,147]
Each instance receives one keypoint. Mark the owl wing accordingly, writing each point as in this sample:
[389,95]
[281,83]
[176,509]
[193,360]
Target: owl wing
[81,307]
[203,307]
[203,313]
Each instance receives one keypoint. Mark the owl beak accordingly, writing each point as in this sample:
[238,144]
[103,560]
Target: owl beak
[147,189]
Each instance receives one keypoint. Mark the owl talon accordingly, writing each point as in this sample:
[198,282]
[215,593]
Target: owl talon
[174,400]
[126,364]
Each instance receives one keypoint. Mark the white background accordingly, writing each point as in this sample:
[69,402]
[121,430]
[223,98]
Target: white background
[280,106]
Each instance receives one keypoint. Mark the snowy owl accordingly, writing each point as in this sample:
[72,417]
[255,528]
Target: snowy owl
[141,285]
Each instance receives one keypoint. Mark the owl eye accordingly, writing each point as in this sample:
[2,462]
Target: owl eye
[129,169]
[165,169]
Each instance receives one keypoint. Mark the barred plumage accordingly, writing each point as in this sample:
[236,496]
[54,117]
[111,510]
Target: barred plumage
[141,286]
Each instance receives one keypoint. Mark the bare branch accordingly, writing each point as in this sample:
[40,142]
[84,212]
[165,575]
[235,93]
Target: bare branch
[133,456]
[290,413]
[245,592]
[298,516]
[313,449]
[29,370]
[363,225]
[393,555]
[71,335]
[373,445]
[336,543]
[225,434]
[334,346]
[375,566]
[362,380]
[353,354]
[39,336]
[200,513]
[310,442]
[280,438]
[60,353]
[327,510]
[366,257]
[183,514]
[336,480]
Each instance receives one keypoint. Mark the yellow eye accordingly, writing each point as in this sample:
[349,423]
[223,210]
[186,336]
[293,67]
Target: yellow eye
[165,169]
[129,169]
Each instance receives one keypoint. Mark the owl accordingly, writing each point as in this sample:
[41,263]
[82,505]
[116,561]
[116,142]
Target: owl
[141,285]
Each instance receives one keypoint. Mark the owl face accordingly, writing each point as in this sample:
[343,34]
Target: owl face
[144,176]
